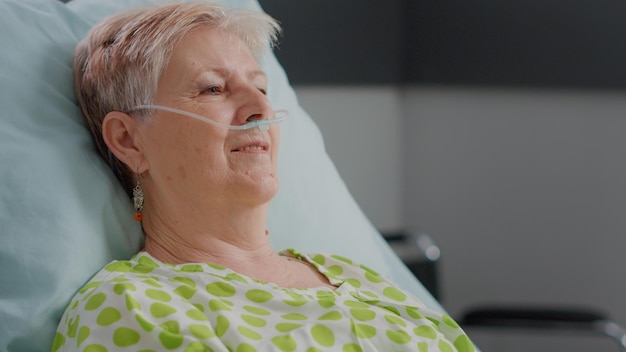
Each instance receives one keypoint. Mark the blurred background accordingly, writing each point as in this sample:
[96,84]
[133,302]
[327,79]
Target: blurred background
[496,127]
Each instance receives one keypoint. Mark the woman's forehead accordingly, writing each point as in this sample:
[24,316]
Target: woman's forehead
[216,51]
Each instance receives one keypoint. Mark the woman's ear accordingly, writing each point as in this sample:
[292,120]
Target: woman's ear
[120,132]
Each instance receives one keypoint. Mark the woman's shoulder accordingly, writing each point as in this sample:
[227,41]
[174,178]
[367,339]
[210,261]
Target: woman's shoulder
[115,274]
[144,268]
[139,282]
[141,266]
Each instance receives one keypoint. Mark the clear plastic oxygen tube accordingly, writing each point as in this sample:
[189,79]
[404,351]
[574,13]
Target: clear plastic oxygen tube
[262,124]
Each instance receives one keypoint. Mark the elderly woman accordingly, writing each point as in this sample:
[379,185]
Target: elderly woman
[175,99]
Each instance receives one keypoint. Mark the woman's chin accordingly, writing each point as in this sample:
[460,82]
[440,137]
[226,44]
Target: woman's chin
[259,185]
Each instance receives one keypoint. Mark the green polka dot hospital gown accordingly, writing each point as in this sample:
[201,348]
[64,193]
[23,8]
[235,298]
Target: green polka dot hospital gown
[147,305]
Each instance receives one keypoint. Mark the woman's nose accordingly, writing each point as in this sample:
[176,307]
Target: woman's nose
[255,106]
[254,117]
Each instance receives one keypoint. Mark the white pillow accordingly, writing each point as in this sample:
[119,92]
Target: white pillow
[63,214]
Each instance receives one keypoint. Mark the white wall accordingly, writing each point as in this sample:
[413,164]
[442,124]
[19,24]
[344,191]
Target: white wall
[362,130]
[524,190]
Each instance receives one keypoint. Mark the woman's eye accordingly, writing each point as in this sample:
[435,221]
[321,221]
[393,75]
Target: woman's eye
[263,90]
[213,90]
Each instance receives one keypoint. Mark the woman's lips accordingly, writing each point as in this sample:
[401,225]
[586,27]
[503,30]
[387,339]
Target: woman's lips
[251,148]
[255,147]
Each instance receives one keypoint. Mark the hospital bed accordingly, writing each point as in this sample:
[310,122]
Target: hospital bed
[63,215]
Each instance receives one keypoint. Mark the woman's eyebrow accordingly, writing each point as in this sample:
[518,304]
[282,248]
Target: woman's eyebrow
[256,73]
[226,73]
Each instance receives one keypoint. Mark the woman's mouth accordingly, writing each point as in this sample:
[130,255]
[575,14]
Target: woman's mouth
[252,148]
[255,148]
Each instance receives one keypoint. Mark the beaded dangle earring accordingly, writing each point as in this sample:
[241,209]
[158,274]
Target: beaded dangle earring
[138,200]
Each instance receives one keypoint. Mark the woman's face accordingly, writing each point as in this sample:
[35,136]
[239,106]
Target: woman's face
[213,74]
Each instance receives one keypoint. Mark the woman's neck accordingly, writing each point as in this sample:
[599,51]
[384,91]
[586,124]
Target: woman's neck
[224,232]
[241,258]
[234,238]
[224,235]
